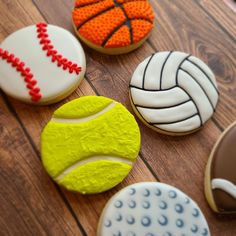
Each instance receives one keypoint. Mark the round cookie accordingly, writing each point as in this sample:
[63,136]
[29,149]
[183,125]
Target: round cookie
[220,176]
[90,144]
[173,92]
[41,64]
[113,26]
[152,209]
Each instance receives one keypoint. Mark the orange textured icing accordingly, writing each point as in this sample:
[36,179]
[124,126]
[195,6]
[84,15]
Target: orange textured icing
[120,38]
[85,13]
[141,29]
[139,10]
[79,3]
[113,23]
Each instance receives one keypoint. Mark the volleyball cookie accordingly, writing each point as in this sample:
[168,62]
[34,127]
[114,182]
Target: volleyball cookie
[152,209]
[90,144]
[173,92]
[220,176]
[113,26]
[41,64]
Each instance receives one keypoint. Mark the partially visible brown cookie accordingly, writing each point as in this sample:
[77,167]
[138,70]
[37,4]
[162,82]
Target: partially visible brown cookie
[220,177]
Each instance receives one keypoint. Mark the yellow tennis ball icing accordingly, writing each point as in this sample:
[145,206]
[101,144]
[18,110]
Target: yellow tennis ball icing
[90,144]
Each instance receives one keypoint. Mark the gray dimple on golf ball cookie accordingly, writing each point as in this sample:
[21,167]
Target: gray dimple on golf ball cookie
[152,209]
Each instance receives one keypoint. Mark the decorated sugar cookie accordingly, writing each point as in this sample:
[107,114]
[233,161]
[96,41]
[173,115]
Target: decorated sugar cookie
[113,26]
[41,64]
[220,177]
[90,144]
[152,209]
[173,92]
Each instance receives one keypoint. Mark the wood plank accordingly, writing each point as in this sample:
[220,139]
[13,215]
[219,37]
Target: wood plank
[110,76]
[222,14]
[29,202]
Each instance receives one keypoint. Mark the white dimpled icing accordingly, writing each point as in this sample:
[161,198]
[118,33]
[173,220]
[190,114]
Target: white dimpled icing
[174,92]
[53,81]
[152,209]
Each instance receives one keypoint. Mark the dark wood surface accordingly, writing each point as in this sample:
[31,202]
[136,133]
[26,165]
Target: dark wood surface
[31,203]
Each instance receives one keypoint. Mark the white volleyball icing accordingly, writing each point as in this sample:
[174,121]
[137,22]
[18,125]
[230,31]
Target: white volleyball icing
[174,91]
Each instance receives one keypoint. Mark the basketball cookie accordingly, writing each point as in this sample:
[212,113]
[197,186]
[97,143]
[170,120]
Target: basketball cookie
[90,144]
[41,64]
[152,209]
[220,176]
[173,92]
[113,26]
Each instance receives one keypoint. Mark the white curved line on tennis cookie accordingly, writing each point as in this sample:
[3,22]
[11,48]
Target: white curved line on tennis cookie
[224,185]
[84,119]
[91,159]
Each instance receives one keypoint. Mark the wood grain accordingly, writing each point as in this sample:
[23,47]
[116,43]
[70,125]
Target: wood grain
[198,27]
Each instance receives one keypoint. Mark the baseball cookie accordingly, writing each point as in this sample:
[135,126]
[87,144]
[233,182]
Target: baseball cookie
[173,92]
[220,176]
[41,64]
[113,26]
[90,144]
[152,209]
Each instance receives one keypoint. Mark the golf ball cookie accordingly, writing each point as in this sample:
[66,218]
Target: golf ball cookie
[152,209]
[113,26]
[173,92]
[41,64]
[90,144]
[220,177]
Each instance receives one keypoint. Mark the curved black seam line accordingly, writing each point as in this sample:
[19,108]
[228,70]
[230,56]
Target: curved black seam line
[173,122]
[61,194]
[162,68]
[94,16]
[208,77]
[192,100]
[177,71]
[159,108]
[145,70]
[151,90]
[200,87]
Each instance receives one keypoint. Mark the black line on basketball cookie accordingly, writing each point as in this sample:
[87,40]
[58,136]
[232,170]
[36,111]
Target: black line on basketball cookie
[94,16]
[128,21]
[162,68]
[208,77]
[200,87]
[145,70]
[160,108]
[116,29]
[173,122]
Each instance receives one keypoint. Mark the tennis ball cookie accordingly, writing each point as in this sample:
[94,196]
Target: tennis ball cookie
[173,92]
[41,64]
[90,144]
[152,209]
[113,26]
[220,176]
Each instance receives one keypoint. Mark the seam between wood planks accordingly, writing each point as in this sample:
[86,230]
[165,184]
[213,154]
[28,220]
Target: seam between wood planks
[215,21]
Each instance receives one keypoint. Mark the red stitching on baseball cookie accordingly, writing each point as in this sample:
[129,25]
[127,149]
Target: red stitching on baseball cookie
[25,72]
[51,52]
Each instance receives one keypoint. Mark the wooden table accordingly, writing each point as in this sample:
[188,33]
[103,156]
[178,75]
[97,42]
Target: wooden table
[31,203]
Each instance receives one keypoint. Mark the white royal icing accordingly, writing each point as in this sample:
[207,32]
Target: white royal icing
[174,91]
[52,80]
[224,185]
[152,209]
